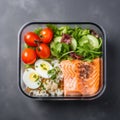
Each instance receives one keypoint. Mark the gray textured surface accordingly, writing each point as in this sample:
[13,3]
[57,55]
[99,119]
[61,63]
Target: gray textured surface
[13,14]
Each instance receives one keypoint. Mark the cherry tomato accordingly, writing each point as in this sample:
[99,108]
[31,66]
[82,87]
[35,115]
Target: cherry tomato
[29,56]
[43,51]
[30,38]
[46,35]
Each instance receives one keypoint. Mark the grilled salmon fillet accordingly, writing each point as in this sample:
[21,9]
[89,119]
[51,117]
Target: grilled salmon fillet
[81,78]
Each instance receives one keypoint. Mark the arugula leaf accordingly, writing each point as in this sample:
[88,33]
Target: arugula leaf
[66,54]
[87,53]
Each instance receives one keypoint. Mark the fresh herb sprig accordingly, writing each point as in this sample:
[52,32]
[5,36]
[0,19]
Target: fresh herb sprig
[54,72]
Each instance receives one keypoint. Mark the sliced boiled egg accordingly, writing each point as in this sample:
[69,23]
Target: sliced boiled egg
[31,78]
[42,67]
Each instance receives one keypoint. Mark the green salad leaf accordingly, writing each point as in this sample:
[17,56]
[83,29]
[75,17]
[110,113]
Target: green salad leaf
[58,31]
[79,32]
[57,49]
[89,48]
[84,43]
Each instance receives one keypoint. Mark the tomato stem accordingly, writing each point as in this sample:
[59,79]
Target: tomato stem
[38,42]
[38,49]
[41,36]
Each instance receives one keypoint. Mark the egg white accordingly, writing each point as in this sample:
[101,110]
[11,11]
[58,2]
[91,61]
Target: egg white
[28,82]
[41,71]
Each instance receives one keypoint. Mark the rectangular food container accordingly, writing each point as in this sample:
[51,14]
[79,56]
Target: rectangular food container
[31,26]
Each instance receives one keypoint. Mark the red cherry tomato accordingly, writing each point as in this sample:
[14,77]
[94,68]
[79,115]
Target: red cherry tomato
[46,35]
[30,38]
[43,51]
[29,56]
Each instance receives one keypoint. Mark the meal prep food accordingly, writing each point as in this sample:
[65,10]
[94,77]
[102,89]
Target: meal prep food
[61,61]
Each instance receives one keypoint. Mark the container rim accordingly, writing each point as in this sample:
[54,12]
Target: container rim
[62,98]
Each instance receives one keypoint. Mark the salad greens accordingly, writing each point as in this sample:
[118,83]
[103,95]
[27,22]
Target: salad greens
[75,32]
[57,49]
[83,43]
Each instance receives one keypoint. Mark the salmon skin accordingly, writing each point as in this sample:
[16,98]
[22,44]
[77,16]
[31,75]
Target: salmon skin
[81,78]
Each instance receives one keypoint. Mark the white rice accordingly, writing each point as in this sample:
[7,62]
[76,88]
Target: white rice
[55,63]
[38,93]
[51,88]
[59,92]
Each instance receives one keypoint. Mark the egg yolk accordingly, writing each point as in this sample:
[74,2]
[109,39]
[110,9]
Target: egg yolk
[44,66]
[33,77]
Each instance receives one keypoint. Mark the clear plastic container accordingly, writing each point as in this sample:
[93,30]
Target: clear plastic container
[31,26]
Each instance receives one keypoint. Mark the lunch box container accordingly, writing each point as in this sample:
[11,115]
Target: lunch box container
[31,26]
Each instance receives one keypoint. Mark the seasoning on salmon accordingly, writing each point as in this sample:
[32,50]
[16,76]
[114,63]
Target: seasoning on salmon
[81,78]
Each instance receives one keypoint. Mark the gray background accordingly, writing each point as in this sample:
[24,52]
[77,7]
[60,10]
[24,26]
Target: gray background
[13,14]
